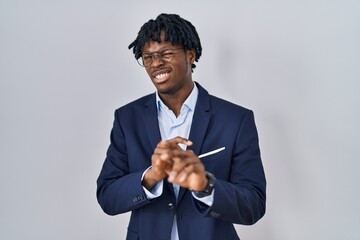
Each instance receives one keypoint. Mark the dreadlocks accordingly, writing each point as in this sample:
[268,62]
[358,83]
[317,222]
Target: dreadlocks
[177,30]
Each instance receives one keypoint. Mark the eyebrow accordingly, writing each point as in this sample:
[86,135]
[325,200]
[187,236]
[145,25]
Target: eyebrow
[161,50]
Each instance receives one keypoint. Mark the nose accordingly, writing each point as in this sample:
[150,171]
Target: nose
[157,61]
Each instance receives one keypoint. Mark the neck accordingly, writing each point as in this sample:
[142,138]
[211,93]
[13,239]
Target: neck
[174,101]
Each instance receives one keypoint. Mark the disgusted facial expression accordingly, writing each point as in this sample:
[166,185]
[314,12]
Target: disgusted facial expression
[172,77]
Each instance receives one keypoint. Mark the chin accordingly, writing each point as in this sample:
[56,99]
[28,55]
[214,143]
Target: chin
[164,90]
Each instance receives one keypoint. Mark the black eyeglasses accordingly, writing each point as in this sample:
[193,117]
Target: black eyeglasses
[166,56]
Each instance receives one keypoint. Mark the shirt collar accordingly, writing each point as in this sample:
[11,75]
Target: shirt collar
[190,102]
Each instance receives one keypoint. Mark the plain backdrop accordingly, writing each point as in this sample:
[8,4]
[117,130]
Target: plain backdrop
[65,68]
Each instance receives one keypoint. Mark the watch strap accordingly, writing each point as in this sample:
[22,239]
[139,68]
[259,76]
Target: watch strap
[208,188]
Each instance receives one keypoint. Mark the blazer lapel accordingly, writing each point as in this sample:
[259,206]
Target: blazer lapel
[151,124]
[151,121]
[200,123]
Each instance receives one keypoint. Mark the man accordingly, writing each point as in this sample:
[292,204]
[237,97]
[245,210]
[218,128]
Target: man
[185,163]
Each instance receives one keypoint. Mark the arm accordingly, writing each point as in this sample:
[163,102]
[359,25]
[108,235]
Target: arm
[118,189]
[240,196]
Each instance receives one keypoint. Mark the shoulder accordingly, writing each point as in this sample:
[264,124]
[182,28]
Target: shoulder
[219,104]
[228,112]
[216,104]
[131,111]
[138,103]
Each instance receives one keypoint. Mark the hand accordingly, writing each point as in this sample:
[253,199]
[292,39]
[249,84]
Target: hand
[183,167]
[187,170]
[161,160]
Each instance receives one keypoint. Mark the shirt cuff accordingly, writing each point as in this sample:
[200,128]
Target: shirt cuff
[208,200]
[156,191]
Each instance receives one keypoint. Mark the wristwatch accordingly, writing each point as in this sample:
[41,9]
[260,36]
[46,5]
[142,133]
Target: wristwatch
[209,186]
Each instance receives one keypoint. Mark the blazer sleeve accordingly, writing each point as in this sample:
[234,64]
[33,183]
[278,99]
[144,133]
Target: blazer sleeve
[241,198]
[118,189]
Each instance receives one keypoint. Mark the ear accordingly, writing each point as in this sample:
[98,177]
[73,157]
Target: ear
[191,55]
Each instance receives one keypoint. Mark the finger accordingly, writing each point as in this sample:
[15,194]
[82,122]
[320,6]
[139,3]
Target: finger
[186,171]
[163,154]
[179,163]
[180,153]
[168,145]
[182,157]
[159,163]
[195,177]
[180,140]
[163,145]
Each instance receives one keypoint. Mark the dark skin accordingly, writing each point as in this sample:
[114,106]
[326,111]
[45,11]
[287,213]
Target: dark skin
[174,84]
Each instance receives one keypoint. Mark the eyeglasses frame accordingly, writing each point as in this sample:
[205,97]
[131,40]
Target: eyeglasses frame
[159,54]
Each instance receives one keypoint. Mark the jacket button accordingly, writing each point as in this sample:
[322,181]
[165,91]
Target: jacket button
[171,206]
[214,214]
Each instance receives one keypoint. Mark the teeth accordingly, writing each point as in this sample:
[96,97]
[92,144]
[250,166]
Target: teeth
[161,75]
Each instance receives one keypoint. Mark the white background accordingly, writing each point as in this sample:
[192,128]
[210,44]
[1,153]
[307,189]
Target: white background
[65,68]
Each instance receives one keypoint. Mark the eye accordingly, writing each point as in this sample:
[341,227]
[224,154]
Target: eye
[147,57]
[167,55]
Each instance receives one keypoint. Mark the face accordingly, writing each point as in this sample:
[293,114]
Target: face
[170,77]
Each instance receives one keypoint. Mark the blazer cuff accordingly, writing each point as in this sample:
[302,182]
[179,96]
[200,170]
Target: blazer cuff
[156,191]
[208,200]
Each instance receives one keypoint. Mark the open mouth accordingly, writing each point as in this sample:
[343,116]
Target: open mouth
[161,76]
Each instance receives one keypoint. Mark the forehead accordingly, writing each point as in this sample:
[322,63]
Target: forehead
[154,46]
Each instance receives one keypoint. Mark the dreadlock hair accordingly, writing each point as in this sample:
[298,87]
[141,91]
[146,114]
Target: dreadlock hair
[176,29]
